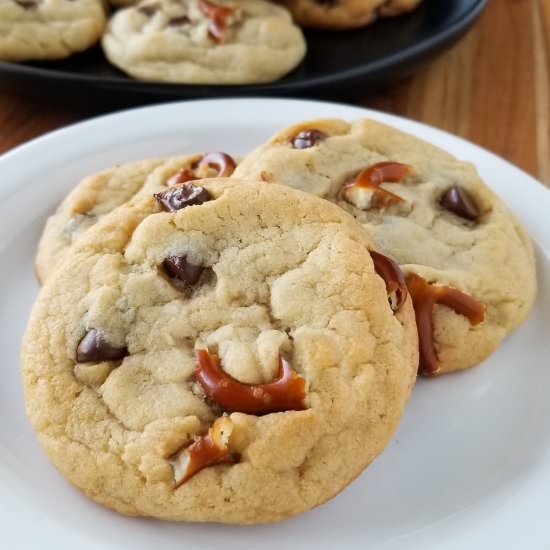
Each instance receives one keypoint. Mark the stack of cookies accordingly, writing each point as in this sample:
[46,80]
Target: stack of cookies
[234,340]
[182,41]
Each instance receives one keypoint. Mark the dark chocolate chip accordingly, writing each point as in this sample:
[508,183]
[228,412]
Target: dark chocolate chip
[177,267]
[307,138]
[182,196]
[149,9]
[458,201]
[27,4]
[94,348]
[178,21]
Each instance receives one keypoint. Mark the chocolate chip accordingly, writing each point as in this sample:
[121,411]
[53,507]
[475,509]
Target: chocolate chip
[27,4]
[149,9]
[182,196]
[178,268]
[178,21]
[94,348]
[458,201]
[307,138]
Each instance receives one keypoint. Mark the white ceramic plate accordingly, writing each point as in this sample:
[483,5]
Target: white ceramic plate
[470,465]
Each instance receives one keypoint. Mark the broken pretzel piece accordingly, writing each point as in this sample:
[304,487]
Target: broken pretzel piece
[219,18]
[285,393]
[396,287]
[206,450]
[181,176]
[424,297]
[364,191]
[222,162]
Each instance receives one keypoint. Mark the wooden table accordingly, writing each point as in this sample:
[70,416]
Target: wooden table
[493,88]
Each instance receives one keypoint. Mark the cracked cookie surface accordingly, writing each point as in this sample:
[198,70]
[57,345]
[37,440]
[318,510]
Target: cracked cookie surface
[345,14]
[48,29]
[282,273]
[426,210]
[100,193]
[204,41]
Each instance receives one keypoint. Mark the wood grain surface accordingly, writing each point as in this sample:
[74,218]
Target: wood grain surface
[492,88]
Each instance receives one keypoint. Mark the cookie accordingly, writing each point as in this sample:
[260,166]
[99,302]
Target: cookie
[231,359]
[470,265]
[48,29]
[204,42]
[345,14]
[100,193]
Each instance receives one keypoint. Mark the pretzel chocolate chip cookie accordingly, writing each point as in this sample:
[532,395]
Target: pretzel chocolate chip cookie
[101,193]
[222,351]
[345,14]
[204,41]
[48,29]
[469,264]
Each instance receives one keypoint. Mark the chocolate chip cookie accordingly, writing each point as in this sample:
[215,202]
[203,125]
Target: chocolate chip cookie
[345,14]
[470,265]
[48,29]
[221,351]
[100,193]
[204,41]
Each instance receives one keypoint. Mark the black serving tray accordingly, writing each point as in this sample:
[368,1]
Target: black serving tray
[337,63]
